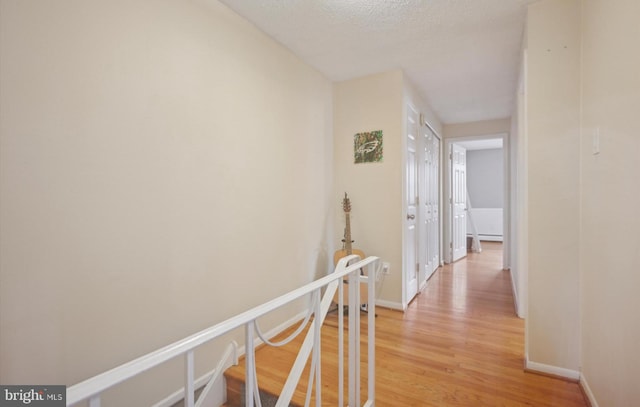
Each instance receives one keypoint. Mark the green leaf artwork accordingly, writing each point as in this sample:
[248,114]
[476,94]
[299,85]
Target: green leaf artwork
[367,147]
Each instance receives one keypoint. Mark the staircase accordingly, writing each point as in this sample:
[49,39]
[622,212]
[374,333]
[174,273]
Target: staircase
[274,364]
[321,355]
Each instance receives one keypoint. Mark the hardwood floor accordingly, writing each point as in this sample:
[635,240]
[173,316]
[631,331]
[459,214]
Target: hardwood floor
[458,344]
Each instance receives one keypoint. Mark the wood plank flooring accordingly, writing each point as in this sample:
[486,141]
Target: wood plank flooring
[458,344]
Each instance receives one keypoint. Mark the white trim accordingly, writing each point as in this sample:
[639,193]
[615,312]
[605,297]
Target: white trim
[514,290]
[390,304]
[587,391]
[491,238]
[422,286]
[552,370]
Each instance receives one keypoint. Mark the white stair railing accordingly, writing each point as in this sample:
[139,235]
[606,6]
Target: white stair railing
[91,389]
[206,382]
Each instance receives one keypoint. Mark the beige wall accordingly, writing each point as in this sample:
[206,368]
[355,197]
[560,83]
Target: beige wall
[610,224]
[553,131]
[376,102]
[164,166]
[481,128]
[583,243]
[366,104]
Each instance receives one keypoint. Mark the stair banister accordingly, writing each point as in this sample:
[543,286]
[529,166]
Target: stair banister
[91,388]
[354,341]
[371,334]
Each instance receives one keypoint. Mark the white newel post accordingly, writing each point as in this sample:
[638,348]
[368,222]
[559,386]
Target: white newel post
[249,364]
[189,389]
[371,331]
[354,338]
[341,343]
[317,320]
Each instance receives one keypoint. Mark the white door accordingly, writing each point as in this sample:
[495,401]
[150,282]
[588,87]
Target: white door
[428,195]
[430,211]
[424,190]
[435,204]
[458,201]
[410,268]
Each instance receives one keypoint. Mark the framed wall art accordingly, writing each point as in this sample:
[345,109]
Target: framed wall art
[367,147]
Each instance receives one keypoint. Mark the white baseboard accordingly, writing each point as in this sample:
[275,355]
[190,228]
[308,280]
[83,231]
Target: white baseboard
[423,285]
[390,304]
[587,391]
[552,370]
[516,301]
[490,238]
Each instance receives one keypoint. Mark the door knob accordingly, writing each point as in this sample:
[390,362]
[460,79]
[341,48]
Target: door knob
[411,216]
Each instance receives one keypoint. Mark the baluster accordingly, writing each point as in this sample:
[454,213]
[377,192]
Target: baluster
[94,401]
[371,330]
[317,320]
[354,312]
[340,343]
[249,364]
[189,390]
[356,334]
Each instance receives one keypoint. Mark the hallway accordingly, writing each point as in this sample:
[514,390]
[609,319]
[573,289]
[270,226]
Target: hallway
[461,344]
[458,344]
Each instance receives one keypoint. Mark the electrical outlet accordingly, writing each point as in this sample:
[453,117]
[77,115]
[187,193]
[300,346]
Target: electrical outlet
[385,268]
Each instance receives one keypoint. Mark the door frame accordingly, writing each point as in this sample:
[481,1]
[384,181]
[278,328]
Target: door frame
[447,206]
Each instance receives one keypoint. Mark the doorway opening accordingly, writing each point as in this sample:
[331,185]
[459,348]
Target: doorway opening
[476,194]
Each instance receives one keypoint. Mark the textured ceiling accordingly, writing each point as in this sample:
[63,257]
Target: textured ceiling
[462,55]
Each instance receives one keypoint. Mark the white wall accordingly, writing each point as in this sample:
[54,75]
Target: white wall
[485,177]
[553,131]
[485,185]
[610,224]
[164,166]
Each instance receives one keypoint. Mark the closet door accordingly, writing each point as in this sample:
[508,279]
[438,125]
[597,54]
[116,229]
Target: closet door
[412,187]
[435,205]
[430,180]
